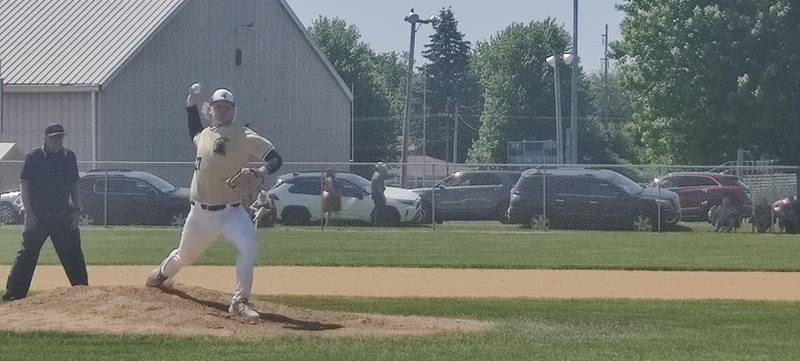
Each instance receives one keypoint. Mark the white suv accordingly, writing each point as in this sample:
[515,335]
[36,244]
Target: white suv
[298,199]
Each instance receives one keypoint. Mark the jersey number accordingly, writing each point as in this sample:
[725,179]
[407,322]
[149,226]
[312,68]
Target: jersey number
[197,163]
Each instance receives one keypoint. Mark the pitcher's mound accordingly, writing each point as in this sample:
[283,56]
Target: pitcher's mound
[193,311]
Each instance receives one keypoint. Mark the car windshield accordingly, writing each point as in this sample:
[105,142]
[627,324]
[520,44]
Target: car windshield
[159,183]
[626,184]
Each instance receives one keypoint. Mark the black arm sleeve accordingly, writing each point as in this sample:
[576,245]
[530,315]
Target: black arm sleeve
[193,116]
[273,161]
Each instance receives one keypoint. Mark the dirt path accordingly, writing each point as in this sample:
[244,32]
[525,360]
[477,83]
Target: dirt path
[417,282]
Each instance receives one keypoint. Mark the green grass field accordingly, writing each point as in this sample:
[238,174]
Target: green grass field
[526,330]
[454,246]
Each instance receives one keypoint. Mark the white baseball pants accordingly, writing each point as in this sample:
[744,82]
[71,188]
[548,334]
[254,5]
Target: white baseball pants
[202,228]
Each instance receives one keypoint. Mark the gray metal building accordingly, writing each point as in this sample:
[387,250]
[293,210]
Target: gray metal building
[116,73]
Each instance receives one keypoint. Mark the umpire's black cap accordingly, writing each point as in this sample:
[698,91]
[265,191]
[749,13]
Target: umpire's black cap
[54,129]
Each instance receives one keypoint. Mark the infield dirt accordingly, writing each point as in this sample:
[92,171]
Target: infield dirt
[193,311]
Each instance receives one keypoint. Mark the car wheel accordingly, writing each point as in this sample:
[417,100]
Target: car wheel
[427,213]
[293,215]
[392,216]
[86,220]
[501,214]
[643,223]
[540,222]
[790,227]
[178,219]
[8,213]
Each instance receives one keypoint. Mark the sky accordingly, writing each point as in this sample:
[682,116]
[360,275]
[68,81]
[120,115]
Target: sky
[381,21]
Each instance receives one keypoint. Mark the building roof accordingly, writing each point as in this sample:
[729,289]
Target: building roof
[76,42]
[85,43]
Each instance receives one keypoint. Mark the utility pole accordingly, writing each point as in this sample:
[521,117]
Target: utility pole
[412,19]
[574,109]
[352,125]
[424,115]
[604,109]
[455,136]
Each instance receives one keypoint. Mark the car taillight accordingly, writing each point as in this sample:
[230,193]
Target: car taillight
[273,196]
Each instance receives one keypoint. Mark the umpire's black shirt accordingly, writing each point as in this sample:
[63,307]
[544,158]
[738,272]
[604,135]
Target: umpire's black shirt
[50,177]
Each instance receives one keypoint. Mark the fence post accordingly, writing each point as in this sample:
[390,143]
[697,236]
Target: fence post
[321,196]
[543,219]
[659,206]
[105,198]
[433,199]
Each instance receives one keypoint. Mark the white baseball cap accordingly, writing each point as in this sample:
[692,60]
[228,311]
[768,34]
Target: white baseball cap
[222,94]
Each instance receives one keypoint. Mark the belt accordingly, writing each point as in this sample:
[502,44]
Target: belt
[213,207]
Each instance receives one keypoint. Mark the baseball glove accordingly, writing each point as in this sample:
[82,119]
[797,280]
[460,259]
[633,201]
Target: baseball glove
[245,182]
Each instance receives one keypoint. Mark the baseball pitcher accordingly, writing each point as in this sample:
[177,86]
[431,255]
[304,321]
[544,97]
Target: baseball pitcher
[222,179]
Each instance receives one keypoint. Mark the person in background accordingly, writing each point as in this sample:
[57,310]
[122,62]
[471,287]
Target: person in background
[378,187]
[725,217]
[331,197]
[263,210]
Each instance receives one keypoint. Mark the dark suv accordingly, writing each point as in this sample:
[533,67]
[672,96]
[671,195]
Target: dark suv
[701,191]
[131,198]
[469,195]
[586,198]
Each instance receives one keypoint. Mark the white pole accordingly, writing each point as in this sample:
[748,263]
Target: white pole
[574,110]
[424,115]
[559,126]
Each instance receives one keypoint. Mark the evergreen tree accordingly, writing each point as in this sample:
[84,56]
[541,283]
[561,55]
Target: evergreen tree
[449,83]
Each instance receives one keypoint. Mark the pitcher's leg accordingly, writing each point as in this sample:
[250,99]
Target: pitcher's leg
[200,229]
[238,229]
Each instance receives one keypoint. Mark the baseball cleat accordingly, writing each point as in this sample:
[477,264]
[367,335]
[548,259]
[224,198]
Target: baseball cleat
[243,308]
[155,278]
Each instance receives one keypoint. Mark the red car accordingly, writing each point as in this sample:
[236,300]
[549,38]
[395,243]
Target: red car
[699,191]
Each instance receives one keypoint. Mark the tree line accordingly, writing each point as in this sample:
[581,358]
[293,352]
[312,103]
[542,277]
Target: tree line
[695,81]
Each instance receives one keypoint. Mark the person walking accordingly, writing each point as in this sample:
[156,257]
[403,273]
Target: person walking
[378,186]
[49,179]
[222,179]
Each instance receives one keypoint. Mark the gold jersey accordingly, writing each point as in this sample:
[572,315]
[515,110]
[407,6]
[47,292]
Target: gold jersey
[221,152]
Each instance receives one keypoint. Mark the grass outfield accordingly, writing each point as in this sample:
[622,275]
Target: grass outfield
[454,246]
[527,330]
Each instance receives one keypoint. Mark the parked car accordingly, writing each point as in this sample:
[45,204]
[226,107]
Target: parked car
[297,198]
[469,195]
[126,197]
[700,191]
[11,209]
[787,214]
[589,198]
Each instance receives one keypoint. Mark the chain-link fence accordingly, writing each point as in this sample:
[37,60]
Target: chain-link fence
[541,197]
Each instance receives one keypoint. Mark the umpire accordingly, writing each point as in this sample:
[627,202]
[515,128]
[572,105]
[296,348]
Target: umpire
[49,177]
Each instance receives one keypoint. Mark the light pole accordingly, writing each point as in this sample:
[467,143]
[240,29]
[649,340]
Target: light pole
[553,61]
[412,19]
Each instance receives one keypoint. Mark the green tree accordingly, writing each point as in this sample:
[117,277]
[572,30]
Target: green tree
[449,84]
[518,85]
[713,76]
[607,135]
[373,79]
